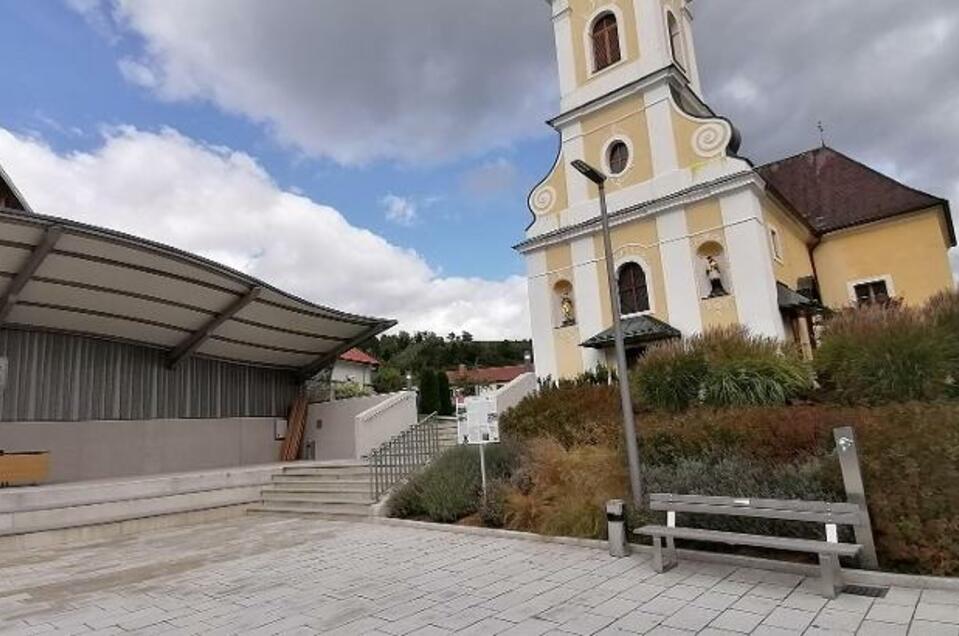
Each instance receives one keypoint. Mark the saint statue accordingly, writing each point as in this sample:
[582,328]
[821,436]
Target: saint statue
[566,306]
[715,276]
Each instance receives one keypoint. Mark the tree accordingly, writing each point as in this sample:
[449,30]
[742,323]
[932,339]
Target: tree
[445,396]
[388,380]
[429,392]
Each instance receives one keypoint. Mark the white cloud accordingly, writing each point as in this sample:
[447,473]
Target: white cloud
[400,210]
[356,80]
[222,204]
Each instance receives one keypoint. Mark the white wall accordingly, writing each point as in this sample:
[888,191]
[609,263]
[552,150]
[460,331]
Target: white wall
[385,420]
[514,392]
[121,448]
[333,426]
[345,371]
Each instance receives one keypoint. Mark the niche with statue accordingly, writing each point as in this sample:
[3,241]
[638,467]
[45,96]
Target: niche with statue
[713,274]
[564,305]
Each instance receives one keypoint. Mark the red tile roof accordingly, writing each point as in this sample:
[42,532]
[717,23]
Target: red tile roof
[487,375]
[832,191]
[360,357]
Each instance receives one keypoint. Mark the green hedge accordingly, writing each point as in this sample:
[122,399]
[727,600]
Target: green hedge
[881,354]
[724,367]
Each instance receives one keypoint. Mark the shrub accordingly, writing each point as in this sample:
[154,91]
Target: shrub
[880,354]
[348,390]
[449,488]
[429,392]
[493,509]
[723,367]
[567,489]
[574,415]
[444,395]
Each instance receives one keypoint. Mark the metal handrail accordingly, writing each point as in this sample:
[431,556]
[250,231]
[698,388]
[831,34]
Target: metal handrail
[398,458]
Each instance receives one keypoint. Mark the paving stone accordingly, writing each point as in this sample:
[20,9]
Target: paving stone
[937,613]
[789,618]
[940,597]
[888,613]
[663,605]
[737,621]
[875,628]
[838,621]
[715,600]
[638,622]
[586,624]
[691,618]
[928,628]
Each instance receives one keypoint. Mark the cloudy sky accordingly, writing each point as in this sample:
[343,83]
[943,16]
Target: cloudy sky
[375,155]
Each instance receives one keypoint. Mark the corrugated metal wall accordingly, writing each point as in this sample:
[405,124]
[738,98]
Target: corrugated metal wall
[56,377]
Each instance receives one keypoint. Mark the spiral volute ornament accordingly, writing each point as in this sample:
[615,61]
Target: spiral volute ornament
[710,139]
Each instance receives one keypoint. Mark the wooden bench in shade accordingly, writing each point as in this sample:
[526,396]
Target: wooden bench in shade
[830,515]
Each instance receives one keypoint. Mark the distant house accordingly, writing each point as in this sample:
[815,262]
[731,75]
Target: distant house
[485,380]
[356,367]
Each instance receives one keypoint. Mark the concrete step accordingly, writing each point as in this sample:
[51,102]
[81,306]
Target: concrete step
[319,484]
[335,472]
[276,496]
[307,508]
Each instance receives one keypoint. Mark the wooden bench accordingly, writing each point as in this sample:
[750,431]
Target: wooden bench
[831,515]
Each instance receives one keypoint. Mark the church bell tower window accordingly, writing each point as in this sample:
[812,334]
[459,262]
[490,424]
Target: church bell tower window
[676,40]
[605,42]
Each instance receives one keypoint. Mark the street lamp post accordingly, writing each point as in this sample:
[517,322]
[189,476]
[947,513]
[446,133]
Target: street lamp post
[629,419]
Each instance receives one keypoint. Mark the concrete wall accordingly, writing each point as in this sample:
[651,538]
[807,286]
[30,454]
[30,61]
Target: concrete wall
[513,393]
[334,430]
[384,421]
[108,449]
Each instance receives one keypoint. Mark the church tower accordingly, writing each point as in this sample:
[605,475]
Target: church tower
[631,105]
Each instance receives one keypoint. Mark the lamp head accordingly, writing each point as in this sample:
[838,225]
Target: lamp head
[589,172]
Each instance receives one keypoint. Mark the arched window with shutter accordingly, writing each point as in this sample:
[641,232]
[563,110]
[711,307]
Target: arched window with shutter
[633,290]
[605,36]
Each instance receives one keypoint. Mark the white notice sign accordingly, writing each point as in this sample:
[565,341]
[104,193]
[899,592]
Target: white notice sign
[477,421]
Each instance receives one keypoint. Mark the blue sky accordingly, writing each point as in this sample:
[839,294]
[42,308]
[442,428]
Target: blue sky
[66,85]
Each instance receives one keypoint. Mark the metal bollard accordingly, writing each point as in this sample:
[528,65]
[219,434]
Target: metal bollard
[616,527]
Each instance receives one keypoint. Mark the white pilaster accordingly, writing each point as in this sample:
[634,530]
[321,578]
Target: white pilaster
[659,121]
[565,60]
[751,264]
[682,297]
[574,148]
[589,316]
[540,314]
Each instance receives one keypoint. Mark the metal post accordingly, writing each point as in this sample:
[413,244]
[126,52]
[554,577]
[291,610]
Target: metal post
[482,452]
[856,492]
[629,420]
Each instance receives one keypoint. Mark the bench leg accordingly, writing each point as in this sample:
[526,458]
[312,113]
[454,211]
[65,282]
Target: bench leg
[831,573]
[663,560]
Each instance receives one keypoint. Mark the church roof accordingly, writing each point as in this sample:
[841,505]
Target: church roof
[832,191]
[636,330]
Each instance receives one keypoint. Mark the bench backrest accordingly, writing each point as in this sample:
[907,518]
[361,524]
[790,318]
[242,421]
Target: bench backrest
[785,509]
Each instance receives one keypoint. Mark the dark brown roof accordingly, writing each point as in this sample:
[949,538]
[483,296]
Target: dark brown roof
[832,191]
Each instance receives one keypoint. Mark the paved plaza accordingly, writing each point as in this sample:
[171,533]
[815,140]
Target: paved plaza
[272,575]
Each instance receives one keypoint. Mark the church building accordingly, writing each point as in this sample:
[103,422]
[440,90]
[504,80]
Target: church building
[702,238]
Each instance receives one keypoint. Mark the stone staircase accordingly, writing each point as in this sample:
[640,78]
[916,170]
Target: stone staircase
[339,489]
[447,432]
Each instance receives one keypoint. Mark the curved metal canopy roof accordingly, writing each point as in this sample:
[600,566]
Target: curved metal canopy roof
[60,275]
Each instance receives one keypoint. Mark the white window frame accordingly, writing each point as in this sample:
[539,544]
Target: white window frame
[681,65]
[883,278]
[591,70]
[776,243]
[649,285]
[605,158]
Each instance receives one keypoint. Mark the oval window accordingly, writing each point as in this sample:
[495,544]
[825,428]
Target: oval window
[618,157]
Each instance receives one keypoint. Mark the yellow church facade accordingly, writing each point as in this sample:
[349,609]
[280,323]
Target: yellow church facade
[701,237]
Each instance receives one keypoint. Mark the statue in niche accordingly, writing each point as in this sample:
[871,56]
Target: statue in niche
[566,306]
[715,276]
